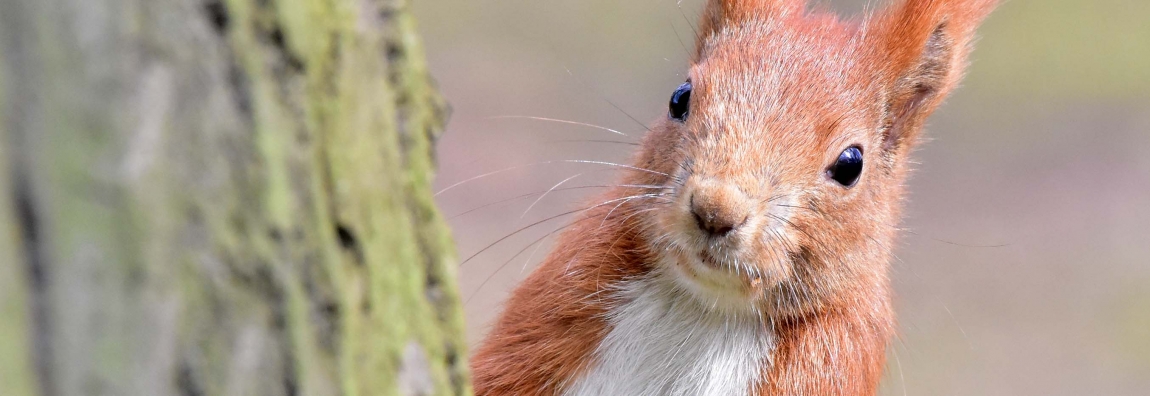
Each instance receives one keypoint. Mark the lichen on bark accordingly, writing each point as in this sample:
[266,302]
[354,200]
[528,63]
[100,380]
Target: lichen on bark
[229,197]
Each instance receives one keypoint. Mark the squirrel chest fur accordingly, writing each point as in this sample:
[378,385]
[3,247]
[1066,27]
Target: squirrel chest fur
[747,250]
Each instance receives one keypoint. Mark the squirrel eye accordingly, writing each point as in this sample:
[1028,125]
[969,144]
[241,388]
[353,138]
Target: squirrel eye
[848,167]
[681,102]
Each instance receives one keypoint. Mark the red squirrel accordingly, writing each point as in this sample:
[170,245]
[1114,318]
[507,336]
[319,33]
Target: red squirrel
[747,249]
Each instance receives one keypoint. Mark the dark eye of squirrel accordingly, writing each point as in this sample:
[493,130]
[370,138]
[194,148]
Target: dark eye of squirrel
[848,167]
[681,102]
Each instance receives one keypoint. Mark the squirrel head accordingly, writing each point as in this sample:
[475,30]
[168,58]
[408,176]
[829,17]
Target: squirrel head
[787,147]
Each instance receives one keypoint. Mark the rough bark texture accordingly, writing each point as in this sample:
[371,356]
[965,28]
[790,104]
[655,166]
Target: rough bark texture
[205,197]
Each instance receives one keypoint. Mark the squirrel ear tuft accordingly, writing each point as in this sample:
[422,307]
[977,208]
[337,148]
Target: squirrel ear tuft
[923,47]
[720,13]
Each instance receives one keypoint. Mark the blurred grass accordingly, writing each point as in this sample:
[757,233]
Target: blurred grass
[1065,49]
[1132,330]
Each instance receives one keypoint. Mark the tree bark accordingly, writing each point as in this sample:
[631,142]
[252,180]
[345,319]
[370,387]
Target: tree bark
[204,197]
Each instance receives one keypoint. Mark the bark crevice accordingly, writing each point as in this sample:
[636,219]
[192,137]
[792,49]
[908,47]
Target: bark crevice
[37,272]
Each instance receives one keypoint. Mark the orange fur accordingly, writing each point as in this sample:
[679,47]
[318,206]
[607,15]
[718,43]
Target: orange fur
[555,319]
[778,93]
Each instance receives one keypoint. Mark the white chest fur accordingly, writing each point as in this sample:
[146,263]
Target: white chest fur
[664,343]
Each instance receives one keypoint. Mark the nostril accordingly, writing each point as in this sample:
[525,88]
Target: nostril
[715,220]
[722,228]
[721,231]
[699,219]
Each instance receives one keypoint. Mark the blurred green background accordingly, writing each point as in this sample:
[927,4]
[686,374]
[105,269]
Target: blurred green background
[1025,266]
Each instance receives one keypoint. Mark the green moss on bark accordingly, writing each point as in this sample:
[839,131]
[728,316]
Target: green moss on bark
[235,196]
[16,359]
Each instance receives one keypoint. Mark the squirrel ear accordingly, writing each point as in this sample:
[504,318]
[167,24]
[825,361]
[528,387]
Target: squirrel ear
[720,13]
[923,45]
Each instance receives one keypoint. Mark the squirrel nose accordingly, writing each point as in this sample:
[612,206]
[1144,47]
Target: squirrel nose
[718,210]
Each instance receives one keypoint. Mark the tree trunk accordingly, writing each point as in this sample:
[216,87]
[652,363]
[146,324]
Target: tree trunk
[205,197]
